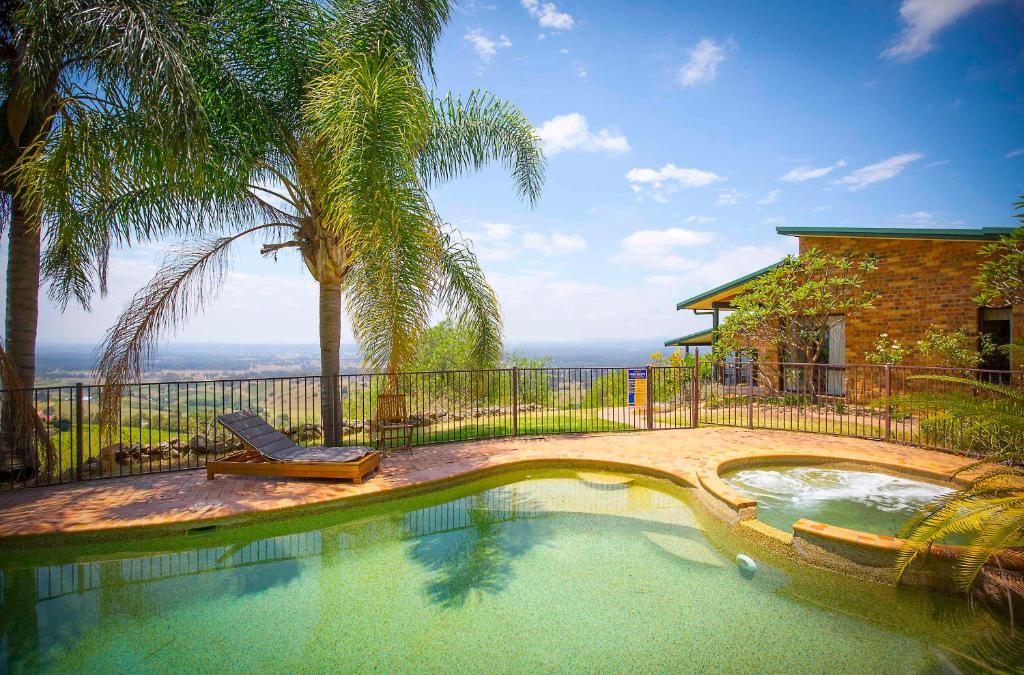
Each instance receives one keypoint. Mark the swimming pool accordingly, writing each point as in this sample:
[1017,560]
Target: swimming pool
[864,500]
[523,572]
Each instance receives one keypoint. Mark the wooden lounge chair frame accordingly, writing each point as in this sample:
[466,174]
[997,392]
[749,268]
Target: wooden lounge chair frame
[268,452]
[393,422]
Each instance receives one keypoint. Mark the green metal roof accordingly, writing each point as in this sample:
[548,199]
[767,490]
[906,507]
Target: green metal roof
[735,284]
[947,233]
[701,338]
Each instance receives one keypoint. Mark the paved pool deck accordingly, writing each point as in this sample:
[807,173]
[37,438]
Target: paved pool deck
[187,498]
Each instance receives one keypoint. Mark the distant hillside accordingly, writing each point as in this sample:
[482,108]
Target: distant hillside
[67,363]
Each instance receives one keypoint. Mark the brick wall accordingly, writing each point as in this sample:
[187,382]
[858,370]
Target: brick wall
[921,282]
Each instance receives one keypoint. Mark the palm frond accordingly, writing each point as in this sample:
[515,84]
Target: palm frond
[979,417]
[407,29]
[143,46]
[188,279]
[468,134]
[462,289]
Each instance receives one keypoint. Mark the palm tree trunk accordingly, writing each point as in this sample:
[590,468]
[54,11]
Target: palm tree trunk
[22,312]
[330,360]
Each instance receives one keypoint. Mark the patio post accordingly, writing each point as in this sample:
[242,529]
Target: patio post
[79,431]
[888,405]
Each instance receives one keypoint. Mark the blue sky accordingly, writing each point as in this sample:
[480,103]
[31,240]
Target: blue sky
[679,135]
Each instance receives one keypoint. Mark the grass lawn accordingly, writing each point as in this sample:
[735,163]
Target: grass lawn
[64,443]
[541,422]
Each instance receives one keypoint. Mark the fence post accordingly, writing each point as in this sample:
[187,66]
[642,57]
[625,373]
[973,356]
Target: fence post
[888,405]
[650,398]
[695,407]
[79,431]
[515,401]
[750,394]
[341,411]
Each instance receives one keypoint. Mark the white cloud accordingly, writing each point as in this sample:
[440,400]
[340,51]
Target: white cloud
[658,241]
[494,242]
[875,173]
[917,218]
[698,273]
[498,231]
[702,67]
[548,15]
[657,249]
[698,220]
[729,197]
[923,19]
[774,221]
[555,243]
[571,132]
[669,178]
[926,219]
[770,198]
[802,173]
[484,46]
[579,69]
[1014,153]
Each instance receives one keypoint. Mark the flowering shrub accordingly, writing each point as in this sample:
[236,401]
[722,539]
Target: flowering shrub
[887,352]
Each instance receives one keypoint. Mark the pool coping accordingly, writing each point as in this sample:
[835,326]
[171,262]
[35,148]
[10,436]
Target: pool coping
[158,504]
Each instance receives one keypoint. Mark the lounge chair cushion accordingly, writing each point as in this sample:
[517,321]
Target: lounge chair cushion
[271,443]
[320,453]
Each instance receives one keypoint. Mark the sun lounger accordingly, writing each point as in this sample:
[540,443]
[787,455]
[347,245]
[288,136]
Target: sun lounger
[268,452]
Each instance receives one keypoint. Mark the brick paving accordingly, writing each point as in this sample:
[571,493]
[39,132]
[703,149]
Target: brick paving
[188,498]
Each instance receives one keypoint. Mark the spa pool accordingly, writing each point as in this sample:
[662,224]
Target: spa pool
[524,572]
[863,500]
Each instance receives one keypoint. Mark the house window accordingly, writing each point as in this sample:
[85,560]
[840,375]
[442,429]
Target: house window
[996,324]
[833,353]
[740,367]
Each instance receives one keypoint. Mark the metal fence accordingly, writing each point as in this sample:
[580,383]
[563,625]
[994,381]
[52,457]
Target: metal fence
[169,426]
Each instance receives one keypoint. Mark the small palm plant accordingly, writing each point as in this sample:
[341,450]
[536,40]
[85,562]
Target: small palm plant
[989,511]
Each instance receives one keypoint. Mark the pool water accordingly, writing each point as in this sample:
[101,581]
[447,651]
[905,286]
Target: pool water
[517,573]
[860,500]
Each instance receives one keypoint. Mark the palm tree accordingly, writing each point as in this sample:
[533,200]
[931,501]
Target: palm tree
[96,94]
[345,184]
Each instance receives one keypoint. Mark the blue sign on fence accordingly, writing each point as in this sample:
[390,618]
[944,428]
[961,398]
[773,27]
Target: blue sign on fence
[637,389]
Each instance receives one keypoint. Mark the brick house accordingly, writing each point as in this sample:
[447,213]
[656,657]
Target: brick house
[925,277]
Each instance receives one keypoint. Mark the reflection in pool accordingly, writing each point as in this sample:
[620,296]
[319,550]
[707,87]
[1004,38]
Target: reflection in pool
[859,500]
[516,573]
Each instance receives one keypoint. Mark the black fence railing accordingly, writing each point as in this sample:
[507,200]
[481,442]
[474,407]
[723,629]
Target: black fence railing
[170,426]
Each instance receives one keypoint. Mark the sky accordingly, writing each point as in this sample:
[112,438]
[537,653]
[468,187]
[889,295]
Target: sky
[679,135]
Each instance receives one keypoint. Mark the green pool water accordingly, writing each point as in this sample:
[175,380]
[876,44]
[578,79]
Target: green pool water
[868,501]
[524,572]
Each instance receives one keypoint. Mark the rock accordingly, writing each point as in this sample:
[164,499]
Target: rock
[198,444]
[108,456]
[304,432]
[92,467]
